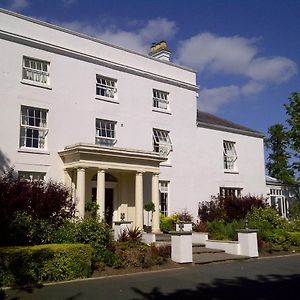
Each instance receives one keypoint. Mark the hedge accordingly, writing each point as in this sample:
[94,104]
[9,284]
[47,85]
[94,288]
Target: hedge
[31,265]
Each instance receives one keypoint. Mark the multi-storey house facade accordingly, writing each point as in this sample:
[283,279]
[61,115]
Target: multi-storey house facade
[117,127]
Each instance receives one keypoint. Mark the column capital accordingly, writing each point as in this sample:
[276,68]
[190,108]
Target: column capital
[99,170]
[139,173]
[81,169]
[155,174]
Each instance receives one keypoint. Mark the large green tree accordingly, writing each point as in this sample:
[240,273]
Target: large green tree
[278,160]
[293,120]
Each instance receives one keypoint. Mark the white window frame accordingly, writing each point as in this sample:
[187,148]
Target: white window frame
[105,132]
[229,156]
[164,193]
[160,100]
[162,142]
[36,71]
[31,176]
[233,192]
[33,127]
[106,88]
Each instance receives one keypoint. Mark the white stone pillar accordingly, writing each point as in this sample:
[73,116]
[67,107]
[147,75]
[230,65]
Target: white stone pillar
[100,198]
[67,179]
[155,200]
[81,192]
[248,242]
[139,200]
[181,246]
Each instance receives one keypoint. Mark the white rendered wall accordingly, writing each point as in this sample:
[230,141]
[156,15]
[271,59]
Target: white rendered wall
[195,169]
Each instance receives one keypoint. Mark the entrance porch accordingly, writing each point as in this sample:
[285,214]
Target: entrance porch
[120,180]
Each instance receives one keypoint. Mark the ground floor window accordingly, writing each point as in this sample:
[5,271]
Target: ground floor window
[230,192]
[31,176]
[279,202]
[163,197]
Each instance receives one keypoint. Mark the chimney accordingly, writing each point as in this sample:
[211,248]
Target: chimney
[160,51]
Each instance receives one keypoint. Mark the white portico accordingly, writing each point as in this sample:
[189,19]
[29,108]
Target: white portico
[115,177]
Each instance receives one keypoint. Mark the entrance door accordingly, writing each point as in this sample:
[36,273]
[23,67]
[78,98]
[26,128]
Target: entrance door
[109,209]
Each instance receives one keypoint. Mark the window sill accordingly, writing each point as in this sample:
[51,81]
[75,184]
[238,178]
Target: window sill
[231,172]
[162,111]
[107,99]
[34,151]
[33,83]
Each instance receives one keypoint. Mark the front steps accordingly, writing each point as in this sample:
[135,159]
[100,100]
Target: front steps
[201,254]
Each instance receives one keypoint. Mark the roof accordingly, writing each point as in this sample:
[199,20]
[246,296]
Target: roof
[205,119]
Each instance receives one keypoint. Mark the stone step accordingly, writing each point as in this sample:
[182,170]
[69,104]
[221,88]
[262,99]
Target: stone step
[195,245]
[206,258]
[199,250]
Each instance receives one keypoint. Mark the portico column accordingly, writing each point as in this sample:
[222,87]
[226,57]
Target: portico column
[101,193]
[139,200]
[155,200]
[81,191]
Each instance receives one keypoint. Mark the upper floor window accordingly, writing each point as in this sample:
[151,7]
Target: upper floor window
[105,132]
[229,155]
[33,127]
[160,100]
[31,176]
[106,87]
[162,142]
[36,70]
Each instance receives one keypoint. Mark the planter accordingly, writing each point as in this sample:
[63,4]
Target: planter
[147,229]
[184,226]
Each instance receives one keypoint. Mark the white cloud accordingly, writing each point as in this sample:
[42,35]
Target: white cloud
[234,55]
[18,5]
[138,40]
[211,100]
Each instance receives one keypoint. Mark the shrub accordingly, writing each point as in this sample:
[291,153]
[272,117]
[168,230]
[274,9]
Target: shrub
[294,225]
[66,233]
[228,208]
[272,228]
[35,264]
[98,234]
[168,223]
[220,230]
[200,226]
[44,202]
[294,238]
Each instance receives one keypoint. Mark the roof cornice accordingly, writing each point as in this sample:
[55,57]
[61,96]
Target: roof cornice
[81,35]
[93,59]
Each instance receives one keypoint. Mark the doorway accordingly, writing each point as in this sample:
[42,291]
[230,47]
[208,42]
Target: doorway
[109,208]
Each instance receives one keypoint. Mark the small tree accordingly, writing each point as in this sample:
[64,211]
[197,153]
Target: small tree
[149,207]
[278,160]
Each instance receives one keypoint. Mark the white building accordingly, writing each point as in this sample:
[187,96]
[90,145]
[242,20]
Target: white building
[116,126]
[280,195]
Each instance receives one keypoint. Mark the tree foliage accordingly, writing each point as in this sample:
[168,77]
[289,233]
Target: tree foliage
[293,112]
[278,160]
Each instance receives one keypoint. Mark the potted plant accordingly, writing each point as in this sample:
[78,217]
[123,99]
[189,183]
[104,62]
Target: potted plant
[149,207]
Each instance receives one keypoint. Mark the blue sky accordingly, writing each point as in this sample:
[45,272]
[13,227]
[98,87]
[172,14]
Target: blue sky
[246,53]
